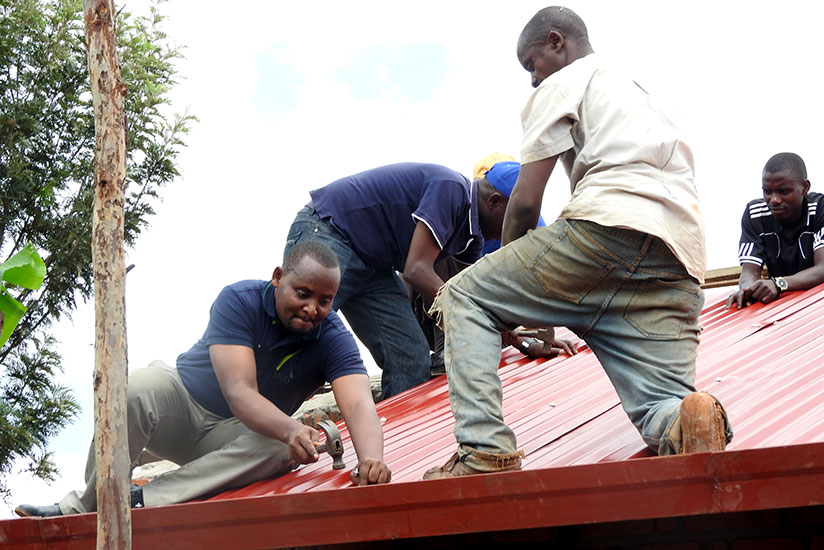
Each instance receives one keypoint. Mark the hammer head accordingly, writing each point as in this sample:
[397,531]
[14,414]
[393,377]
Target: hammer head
[333,445]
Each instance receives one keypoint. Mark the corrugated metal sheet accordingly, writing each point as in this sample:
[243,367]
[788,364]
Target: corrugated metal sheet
[763,362]
[585,462]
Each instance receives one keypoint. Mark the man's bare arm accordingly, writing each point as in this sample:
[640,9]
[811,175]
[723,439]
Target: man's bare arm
[524,206]
[354,397]
[237,375]
[419,269]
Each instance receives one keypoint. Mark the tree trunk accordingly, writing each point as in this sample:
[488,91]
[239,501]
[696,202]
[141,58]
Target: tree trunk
[111,443]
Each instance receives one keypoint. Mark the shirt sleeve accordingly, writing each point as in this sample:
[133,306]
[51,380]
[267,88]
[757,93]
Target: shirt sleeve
[443,205]
[341,355]
[474,251]
[751,249]
[230,320]
[818,227]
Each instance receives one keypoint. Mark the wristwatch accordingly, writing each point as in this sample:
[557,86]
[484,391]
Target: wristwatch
[780,283]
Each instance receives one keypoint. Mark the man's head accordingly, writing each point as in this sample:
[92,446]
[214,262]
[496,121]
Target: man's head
[305,286]
[553,38]
[784,184]
[494,189]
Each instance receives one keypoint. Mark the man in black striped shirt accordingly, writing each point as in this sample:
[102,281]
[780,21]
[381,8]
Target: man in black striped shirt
[783,231]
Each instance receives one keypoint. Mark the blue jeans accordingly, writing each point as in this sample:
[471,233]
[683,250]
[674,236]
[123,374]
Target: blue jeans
[623,292]
[376,306]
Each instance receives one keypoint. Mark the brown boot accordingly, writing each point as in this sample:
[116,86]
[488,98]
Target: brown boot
[475,462]
[703,423]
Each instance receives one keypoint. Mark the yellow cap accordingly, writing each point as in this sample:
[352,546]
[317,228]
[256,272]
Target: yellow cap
[483,165]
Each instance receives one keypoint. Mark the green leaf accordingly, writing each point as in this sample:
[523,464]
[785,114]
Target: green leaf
[12,310]
[25,269]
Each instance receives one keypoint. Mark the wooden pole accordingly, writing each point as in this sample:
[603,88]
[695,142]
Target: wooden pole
[111,444]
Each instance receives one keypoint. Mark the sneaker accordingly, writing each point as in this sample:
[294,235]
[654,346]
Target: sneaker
[479,463]
[703,424]
[136,493]
[31,511]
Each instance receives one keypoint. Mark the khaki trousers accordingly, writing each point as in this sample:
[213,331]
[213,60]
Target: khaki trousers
[215,453]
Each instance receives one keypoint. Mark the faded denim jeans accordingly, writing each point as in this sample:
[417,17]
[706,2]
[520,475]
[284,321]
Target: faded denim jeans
[376,306]
[623,292]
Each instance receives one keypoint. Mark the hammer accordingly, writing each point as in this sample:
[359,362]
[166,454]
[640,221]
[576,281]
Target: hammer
[333,445]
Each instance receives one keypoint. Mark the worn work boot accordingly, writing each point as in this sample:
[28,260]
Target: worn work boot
[31,511]
[475,462]
[703,424]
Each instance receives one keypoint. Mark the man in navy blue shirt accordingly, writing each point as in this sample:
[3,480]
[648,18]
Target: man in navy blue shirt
[224,413]
[400,218]
[784,232]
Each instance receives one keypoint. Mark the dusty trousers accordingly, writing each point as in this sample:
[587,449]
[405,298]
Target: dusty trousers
[623,292]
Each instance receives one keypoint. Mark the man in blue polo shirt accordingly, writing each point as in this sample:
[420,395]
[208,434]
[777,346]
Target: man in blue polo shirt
[501,172]
[224,413]
[398,218]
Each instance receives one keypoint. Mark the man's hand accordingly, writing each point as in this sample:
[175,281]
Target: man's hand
[302,441]
[370,471]
[547,346]
[761,290]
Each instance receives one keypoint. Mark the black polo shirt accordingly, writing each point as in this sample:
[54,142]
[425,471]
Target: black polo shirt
[763,241]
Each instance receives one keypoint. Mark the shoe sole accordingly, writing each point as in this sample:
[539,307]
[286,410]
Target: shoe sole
[702,424]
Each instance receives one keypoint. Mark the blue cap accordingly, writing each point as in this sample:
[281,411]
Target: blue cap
[503,176]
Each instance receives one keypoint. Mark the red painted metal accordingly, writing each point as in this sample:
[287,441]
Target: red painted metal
[584,460]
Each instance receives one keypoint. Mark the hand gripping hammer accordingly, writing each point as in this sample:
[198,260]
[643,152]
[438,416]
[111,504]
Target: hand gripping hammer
[333,445]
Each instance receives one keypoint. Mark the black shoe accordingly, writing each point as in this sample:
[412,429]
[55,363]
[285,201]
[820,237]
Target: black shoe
[29,510]
[137,496]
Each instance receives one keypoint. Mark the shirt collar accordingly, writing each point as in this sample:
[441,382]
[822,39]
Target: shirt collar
[803,219]
[268,297]
[474,223]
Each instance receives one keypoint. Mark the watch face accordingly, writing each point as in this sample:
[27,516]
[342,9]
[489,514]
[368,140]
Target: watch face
[781,283]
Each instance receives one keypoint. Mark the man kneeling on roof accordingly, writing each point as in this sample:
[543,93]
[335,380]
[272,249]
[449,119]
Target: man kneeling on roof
[223,412]
[783,231]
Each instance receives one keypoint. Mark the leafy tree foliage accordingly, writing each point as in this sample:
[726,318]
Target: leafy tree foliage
[46,188]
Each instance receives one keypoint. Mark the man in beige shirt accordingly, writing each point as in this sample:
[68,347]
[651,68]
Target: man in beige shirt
[621,267]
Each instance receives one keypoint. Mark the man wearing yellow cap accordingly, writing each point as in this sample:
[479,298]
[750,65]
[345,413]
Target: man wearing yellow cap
[398,219]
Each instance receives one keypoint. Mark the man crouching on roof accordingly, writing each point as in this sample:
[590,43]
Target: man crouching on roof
[223,412]
[621,266]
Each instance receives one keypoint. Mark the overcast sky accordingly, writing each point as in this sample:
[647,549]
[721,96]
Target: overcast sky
[293,95]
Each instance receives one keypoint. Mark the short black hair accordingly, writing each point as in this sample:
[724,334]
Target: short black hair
[557,18]
[787,161]
[312,249]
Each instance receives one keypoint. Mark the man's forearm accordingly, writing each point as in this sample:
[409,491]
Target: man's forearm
[366,431]
[806,278]
[262,416]
[424,280]
[750,273]
[519,219]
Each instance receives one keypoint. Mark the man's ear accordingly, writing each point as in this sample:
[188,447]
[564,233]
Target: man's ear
[806,186]
[277,275]
[496,200]
[555,40]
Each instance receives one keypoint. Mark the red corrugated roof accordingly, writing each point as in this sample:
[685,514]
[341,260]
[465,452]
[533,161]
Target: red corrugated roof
[764,363]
